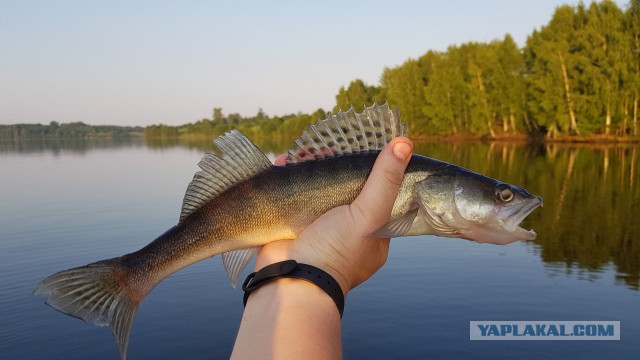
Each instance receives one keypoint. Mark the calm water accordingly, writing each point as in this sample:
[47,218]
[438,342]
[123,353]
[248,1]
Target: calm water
[70,203]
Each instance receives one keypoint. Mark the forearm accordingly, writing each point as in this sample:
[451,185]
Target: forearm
[287,319]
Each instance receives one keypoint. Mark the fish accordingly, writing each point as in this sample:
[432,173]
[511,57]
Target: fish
[239,201]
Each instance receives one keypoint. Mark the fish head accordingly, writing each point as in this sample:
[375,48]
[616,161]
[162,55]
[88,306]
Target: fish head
[468,205]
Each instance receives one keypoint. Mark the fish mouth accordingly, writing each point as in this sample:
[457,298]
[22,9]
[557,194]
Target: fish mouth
[510,218]
[505,229]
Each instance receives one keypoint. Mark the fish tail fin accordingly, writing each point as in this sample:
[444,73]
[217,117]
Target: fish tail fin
[98,293]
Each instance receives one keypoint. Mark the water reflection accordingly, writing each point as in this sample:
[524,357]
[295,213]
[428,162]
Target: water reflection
[589,222]
[68,145]
[593,222]
[267,145]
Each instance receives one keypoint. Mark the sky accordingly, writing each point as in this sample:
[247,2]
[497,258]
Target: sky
[148,62]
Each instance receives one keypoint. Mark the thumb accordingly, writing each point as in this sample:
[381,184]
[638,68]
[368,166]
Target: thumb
[372,207]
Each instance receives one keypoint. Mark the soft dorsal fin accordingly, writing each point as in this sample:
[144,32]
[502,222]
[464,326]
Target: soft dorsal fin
[348,133]
[240,159]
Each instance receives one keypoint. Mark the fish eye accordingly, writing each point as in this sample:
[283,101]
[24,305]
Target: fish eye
[504,193]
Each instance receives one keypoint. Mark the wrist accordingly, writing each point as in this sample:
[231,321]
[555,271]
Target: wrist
[326,267]
[290,295]
[281,251]
[291,269]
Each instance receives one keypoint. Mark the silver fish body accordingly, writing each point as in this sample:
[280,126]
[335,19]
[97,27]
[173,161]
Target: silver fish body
[239,202]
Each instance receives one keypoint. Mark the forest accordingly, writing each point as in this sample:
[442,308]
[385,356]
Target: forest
[577,77]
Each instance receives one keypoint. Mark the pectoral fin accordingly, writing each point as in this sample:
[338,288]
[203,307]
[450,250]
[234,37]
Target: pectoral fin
[397,227]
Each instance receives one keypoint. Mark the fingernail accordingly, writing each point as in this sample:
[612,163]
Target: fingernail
[402,150]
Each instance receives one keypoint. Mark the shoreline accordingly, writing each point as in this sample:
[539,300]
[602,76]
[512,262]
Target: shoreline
[533,138]
[454,138]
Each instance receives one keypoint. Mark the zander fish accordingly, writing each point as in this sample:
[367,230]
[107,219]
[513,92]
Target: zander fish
[239,201]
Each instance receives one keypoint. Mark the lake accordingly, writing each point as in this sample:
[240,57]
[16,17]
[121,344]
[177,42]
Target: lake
[68,203]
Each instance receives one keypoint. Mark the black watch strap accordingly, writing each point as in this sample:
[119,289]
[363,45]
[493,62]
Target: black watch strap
[295,270]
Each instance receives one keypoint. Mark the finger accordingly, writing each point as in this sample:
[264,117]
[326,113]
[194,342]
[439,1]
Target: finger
[280,160]
[372,207]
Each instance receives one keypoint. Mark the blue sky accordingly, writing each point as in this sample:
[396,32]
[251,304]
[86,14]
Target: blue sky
[171,62]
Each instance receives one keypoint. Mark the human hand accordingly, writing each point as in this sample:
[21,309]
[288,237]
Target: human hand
[336,241]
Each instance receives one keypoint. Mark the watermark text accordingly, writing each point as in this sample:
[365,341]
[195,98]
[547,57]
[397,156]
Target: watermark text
[544,330]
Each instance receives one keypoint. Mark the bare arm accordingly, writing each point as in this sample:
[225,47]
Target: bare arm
[291,318]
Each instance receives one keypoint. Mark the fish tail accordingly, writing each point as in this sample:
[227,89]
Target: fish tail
[100,293]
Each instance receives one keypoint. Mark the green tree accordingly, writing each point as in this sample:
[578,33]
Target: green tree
[404,87]
[600,67]
[444,95]
[549,81]
[217,117]
[509,85]
[357,94]
[632,29]
[319,114]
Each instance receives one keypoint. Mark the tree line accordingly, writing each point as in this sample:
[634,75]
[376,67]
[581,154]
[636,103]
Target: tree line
[255,126]
[577,75]
[55,130]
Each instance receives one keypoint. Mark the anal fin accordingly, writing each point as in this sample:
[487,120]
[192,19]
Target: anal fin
[235,261]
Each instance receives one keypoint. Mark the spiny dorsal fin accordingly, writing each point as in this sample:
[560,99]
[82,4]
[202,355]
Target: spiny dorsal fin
[240,160]
[348,133]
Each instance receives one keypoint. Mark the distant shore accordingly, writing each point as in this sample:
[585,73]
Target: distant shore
[517,137]
[68,131]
